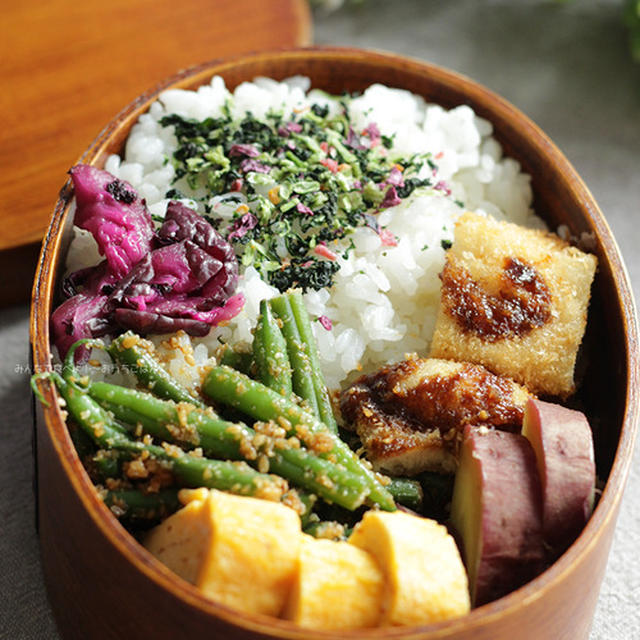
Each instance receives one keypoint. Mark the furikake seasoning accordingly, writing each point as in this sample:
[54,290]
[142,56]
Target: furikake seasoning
[307,180]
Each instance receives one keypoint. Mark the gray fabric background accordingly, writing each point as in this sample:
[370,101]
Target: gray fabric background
[566,66]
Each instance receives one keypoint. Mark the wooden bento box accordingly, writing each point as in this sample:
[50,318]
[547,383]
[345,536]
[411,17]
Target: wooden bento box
[102,584]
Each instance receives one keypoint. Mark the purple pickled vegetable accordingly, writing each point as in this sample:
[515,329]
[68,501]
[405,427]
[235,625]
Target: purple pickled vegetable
[181,277]
[181,223]
[169,272]
[144,322]
[78,280]
[115,215]
[83,316]
[181,268]
[178,313]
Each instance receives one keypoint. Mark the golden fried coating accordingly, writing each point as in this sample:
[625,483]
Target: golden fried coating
[514,300]
[410,415]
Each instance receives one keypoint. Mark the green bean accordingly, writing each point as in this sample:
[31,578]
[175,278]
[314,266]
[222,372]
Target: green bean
[328,530]
[193,471]
[182,423]
[189,471]
[307,501]
[230,387]
[107,463]
[224,475]
[138,505]
[325,409]
[133,505]
[270,353]
[238,360]
[134,353]
[97,423]
[195,427]
[407,492]
[301,369]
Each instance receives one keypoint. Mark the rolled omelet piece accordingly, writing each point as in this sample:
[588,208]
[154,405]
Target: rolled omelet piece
[425,580]
[338,586]
[240,551]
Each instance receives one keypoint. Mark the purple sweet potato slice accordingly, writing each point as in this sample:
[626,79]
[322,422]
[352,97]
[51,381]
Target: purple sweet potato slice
[496,512]
[563,444]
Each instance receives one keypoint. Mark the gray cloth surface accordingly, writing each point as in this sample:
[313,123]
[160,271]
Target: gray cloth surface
[566,66]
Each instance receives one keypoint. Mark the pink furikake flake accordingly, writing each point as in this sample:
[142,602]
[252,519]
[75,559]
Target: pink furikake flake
[373,133]
[443,186]
[391,198]
[287,129]
[325,322]
[302,208]
[242,225]
[249,164]
[324,251]
[248,150]
[387,238]
[330,163]
[353,140]
[395,178]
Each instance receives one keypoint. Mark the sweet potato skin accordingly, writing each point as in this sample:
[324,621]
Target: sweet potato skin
[562,441]
[496,512]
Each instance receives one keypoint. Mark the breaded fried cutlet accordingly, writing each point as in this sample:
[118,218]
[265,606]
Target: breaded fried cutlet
[410,415]
[514,300]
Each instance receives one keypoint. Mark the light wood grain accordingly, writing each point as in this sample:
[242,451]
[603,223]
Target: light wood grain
[85,551]
[68,67]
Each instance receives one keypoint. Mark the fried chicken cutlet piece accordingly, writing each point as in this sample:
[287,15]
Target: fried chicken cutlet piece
[410,415]
[514,300]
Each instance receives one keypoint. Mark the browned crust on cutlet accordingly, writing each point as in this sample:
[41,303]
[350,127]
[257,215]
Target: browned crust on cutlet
[410,415]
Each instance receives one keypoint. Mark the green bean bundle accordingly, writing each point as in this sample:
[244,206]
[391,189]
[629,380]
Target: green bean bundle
[226,386]
[188,470]
[194,427]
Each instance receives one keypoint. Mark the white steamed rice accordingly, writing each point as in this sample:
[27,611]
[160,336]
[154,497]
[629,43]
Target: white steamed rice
[384,300]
